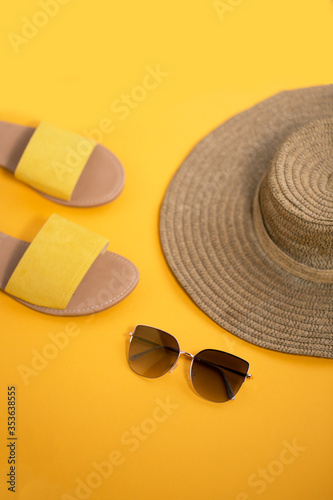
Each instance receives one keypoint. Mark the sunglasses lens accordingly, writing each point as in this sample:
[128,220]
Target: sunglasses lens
[217,375]
[152,352]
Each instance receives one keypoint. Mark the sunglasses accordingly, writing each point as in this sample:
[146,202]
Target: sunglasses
[215,375]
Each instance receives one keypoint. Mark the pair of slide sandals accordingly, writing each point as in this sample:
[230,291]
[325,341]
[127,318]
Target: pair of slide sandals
[65,270]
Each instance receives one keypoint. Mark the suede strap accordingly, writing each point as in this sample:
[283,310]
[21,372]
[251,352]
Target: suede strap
[53,160]
[55,263]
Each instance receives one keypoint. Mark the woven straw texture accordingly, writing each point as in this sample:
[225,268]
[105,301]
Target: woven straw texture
[207,231]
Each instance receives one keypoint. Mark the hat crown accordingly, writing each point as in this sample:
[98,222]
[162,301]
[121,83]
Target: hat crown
[296,196]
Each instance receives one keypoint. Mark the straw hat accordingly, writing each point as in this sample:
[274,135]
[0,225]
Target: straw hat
[246,224]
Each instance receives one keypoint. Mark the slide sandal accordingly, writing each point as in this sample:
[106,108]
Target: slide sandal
[65,167]
[65,271]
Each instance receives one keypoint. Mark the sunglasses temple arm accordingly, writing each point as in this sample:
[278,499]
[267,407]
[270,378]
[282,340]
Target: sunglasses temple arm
[147,351]
[246,375]
[230,392]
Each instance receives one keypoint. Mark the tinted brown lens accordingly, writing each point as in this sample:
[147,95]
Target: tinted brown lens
[152,352]
[217,375]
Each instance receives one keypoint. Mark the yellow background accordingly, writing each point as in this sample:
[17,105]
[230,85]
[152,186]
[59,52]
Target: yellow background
[83,405]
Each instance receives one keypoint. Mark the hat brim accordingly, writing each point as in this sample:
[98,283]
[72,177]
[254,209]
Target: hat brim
[208,238]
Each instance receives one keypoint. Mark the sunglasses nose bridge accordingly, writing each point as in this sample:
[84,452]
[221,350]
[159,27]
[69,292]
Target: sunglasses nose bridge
[186,354]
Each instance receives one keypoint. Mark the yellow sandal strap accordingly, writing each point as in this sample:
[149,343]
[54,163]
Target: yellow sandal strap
[53,160]
[55,263]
